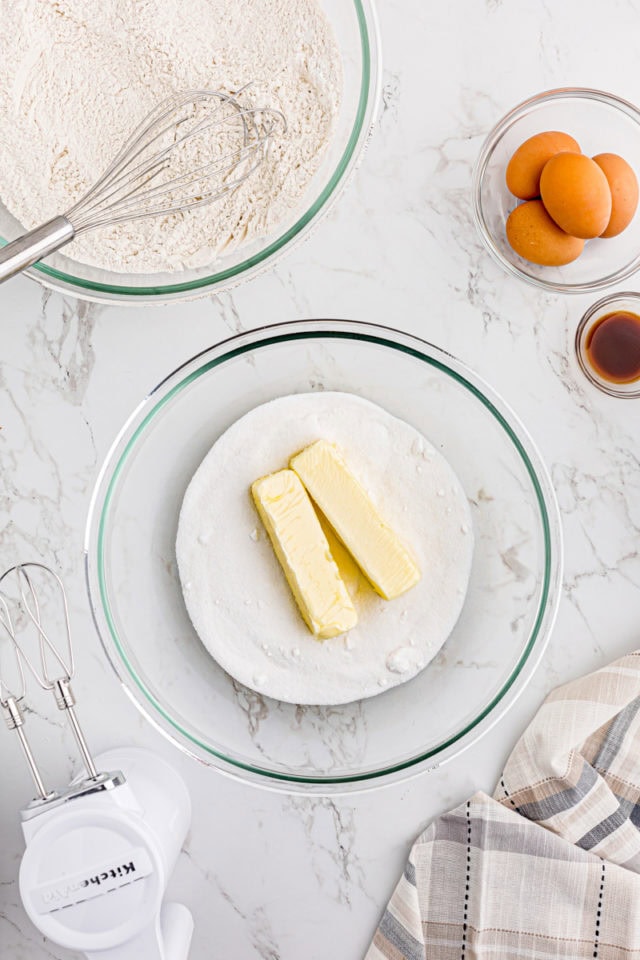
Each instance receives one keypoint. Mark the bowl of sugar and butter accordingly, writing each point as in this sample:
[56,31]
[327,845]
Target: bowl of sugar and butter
[248,688]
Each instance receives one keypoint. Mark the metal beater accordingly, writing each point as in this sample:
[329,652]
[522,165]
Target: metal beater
[154,174]
[22,602]
[100,851]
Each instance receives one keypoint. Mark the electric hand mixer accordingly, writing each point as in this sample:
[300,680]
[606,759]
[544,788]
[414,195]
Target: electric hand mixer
[100,851]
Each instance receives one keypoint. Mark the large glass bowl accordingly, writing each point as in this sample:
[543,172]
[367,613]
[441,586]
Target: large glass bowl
[355,26]
[601,123]
[137,601]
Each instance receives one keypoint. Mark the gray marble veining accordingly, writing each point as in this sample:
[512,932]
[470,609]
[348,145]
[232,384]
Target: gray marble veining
[268,876]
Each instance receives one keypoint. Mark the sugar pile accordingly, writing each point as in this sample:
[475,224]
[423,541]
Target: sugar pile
[236,593]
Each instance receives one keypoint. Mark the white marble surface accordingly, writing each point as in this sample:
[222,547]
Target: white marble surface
[266,875]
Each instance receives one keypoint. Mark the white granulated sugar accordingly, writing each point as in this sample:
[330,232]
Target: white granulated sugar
[267,645]
[78,76]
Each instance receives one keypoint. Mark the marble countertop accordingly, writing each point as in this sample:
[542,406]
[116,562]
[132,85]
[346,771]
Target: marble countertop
[268,875]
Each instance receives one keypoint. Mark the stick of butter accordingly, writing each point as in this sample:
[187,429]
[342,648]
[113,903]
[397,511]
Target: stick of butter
[347,506]
[303,551]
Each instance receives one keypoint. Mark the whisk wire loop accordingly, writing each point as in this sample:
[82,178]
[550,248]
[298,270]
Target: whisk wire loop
[159,170]
[166,189]
[142,181]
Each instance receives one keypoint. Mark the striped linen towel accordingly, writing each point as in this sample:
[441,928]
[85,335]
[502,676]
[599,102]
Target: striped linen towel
[548,867]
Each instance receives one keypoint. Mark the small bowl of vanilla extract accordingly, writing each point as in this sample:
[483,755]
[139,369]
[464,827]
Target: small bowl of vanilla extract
[608,345]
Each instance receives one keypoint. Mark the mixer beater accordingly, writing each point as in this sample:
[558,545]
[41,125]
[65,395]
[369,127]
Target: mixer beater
[24,603]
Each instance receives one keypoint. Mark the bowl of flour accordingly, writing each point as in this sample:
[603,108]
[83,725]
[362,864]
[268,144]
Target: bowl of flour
[194,613]
[79,76]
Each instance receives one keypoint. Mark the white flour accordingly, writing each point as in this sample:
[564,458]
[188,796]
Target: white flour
[78,75]
[237,595]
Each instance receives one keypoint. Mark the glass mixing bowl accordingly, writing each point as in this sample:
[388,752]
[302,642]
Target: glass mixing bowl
[601,123]
[355,26]
[137,602]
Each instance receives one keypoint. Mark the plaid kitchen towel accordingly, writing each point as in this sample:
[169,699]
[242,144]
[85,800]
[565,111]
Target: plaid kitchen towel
[548,867]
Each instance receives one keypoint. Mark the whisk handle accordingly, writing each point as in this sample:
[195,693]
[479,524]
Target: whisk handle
[33,246]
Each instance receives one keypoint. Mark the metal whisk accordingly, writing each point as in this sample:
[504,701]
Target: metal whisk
[193,149]
[23,588]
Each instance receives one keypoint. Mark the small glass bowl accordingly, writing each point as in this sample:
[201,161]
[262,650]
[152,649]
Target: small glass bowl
[601,123]
[629,302]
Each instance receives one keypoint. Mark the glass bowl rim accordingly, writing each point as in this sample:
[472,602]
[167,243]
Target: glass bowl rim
[611,389]
[265,336]
[368,100]
[488,146]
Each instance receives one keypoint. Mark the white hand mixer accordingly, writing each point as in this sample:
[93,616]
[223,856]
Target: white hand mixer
[100,851]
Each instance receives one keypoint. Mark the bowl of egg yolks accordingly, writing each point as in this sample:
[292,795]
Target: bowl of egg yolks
[555,190]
